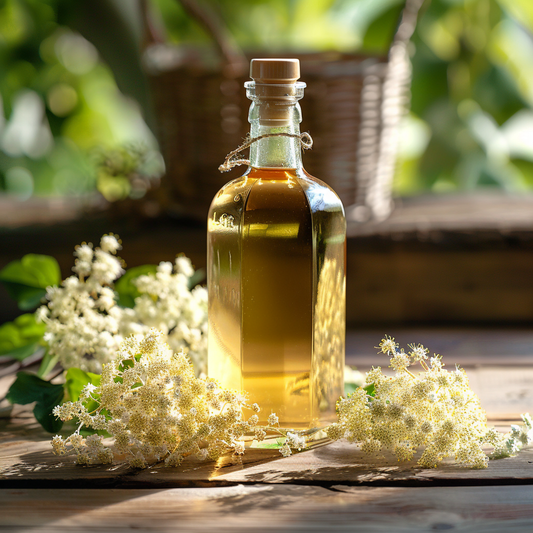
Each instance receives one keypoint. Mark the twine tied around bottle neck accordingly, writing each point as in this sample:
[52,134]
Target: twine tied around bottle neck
[232,160]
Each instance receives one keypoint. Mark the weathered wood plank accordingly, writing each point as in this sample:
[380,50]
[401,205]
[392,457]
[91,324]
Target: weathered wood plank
[428,216]
[434,285]
[437,258]
[266,508]
[26,460]
[464,346]
[341,462]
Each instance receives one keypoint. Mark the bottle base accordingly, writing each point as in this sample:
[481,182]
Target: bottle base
[276,439]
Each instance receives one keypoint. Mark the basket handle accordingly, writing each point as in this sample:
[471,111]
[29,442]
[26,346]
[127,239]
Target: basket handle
[408,19]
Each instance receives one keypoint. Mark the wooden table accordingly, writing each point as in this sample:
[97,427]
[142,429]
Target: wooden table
[332,488]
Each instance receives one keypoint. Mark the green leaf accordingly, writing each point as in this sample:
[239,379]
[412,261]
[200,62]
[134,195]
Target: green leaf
[380,32]
[196,278]
[22,337]
[28,298]
[29,388]
[47,364]
[126,363]
[76,379]
[26,279]
[370,389]
[350,388]
[126,290]
[269,444]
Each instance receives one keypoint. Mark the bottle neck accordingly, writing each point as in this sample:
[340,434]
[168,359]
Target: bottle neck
[276,151]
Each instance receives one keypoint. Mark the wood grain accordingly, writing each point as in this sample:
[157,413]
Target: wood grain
[266,507]
[26,461]
[432,284]
[344,463]
[438,258]
[465,346]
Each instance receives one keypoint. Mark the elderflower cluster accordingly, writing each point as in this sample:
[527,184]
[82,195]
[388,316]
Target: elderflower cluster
[166,303]
[85,326]
[83,323]
[155,408]
[513,441]
[435,410]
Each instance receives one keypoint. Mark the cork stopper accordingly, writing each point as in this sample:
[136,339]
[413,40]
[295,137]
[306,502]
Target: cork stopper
[276,88]
[275,70]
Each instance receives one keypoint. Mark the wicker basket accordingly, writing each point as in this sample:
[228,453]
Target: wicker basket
[352,108]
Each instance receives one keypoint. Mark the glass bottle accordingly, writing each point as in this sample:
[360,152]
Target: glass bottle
[276,268]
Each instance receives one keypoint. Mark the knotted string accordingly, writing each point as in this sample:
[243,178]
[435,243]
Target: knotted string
[232,161]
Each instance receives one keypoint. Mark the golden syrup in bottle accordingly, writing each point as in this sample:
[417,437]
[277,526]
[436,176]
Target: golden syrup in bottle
[276,275]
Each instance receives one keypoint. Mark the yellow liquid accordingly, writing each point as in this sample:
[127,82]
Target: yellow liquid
[276,261]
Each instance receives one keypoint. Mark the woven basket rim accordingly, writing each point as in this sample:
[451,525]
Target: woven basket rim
[204,60]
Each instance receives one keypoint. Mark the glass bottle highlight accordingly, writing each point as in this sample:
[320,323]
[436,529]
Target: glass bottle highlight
[276,267]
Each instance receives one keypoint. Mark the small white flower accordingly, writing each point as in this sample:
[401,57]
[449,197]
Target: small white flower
[273,419]
[93,441]
[165,267]
[295,441]
[71,283]
[84,252]
[238,447]
[84,326]
[436,363]
[512,445]
[400,361]
[89,388]
[184,266]
[41,314]
[82,268]
[387,345]
[285,450]
[418,352]
[110,244]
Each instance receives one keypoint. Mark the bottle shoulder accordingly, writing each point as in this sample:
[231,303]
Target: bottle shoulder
[233,192]
[320,195]
[240,183]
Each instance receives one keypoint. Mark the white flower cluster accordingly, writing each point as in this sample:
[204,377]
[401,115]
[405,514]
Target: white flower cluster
[167,304]
[83,323]
[293,441]
[155,408]
[435,409]
[85,326]
[512,442]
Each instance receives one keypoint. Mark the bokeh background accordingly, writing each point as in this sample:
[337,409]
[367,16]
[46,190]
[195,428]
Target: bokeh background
[75,109]
[79,151]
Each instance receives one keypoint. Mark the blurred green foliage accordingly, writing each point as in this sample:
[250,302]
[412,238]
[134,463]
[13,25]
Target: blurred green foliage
[471,122]
[26,279]
[126,171]
[58,102]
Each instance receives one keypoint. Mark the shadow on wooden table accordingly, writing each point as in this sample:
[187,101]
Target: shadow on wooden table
[27,460]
